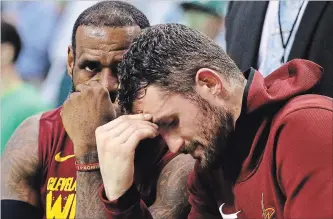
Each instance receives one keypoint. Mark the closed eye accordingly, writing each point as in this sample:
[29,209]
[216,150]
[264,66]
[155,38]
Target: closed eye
[169,125]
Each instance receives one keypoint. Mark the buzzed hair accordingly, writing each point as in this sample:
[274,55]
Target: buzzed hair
[109,14]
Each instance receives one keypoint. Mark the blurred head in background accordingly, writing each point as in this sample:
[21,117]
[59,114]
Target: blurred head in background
[205,16]
[100,37]
[18,99]
[10,46]
[10,50]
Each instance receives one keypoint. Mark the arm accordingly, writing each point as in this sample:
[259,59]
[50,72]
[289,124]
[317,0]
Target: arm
[304,163]
[88,204]
[81,114]
[171,197]
[20,165]
[203,204]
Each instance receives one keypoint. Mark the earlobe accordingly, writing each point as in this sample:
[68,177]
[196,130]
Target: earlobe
[209,80]
[70,61]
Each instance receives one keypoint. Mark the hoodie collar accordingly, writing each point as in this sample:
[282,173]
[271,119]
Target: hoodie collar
[294,78]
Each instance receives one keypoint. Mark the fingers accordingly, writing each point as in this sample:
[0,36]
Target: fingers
[90,84]
[135,124]
[95,83]
[82,87]
[119,120]
[140,133]
[125,134]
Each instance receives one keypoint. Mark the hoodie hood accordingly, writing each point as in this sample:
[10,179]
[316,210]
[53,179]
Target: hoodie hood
[262,99]
[294,78]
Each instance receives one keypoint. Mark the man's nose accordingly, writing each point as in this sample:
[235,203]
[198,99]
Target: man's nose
[174,142]
[109,79]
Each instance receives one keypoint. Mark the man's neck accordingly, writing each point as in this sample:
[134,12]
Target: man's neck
[238,92]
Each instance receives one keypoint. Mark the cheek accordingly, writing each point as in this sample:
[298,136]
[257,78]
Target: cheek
[81,76]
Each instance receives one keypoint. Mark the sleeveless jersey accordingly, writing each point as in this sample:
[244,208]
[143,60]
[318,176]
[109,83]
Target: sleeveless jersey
[58,173]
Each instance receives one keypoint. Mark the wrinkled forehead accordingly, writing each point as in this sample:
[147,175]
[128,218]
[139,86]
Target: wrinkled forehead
[110,38]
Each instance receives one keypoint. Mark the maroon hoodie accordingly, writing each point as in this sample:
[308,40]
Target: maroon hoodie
[278,162]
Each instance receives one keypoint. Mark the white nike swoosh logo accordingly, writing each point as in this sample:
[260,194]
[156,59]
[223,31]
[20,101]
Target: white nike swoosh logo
[228,216]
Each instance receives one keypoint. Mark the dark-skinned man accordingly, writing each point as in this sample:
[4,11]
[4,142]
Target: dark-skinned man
[51,163]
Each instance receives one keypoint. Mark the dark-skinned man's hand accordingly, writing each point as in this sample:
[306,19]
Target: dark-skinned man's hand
[85,110]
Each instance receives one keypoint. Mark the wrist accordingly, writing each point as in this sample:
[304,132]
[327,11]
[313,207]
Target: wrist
[87,157]
[130,198]
[112,195]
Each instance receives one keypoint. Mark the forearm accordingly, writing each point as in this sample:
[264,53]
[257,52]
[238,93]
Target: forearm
[88,204]
[129,205]
[172,211]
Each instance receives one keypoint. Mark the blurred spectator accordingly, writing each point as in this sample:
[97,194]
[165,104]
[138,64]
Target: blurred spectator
[204,16]
[18,100]
[264,35]
[35,22]
[57,85]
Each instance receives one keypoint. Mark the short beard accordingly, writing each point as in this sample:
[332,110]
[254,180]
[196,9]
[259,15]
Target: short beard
[216,131]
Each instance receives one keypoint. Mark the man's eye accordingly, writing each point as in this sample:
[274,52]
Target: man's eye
[172,124]
[91,67]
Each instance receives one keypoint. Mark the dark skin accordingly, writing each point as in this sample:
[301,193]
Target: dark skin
[93,70]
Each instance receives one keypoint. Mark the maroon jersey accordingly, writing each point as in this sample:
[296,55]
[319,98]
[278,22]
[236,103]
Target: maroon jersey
[58,179]
[58,174]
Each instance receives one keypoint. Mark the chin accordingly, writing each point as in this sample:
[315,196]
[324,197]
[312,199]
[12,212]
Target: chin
[209,160]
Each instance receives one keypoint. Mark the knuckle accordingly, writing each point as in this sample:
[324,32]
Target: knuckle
[138,134]
[98,131]
[123,118]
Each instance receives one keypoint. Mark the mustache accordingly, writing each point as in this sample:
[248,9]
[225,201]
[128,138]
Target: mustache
[190,148]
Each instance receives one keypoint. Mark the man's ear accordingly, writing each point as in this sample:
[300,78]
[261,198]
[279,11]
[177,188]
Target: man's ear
[209,81]
[70,61]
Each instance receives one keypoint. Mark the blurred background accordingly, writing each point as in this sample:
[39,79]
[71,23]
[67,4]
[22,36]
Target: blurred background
[37,80]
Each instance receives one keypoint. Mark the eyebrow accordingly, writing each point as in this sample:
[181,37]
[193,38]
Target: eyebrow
[86,61]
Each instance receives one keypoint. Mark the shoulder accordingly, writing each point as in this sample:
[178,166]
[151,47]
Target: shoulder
[25,136]
[305,112]
[304,130]
[307,102]
[51,115]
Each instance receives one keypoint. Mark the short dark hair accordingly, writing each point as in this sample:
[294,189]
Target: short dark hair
[110,14]
[168,56]
[10,35]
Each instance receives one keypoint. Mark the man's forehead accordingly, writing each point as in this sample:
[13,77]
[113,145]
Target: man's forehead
[151,101]
[115,38]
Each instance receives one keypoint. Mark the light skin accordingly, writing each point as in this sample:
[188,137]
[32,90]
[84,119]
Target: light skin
[183,121]
[93,70]
[9,76]
[98,51]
